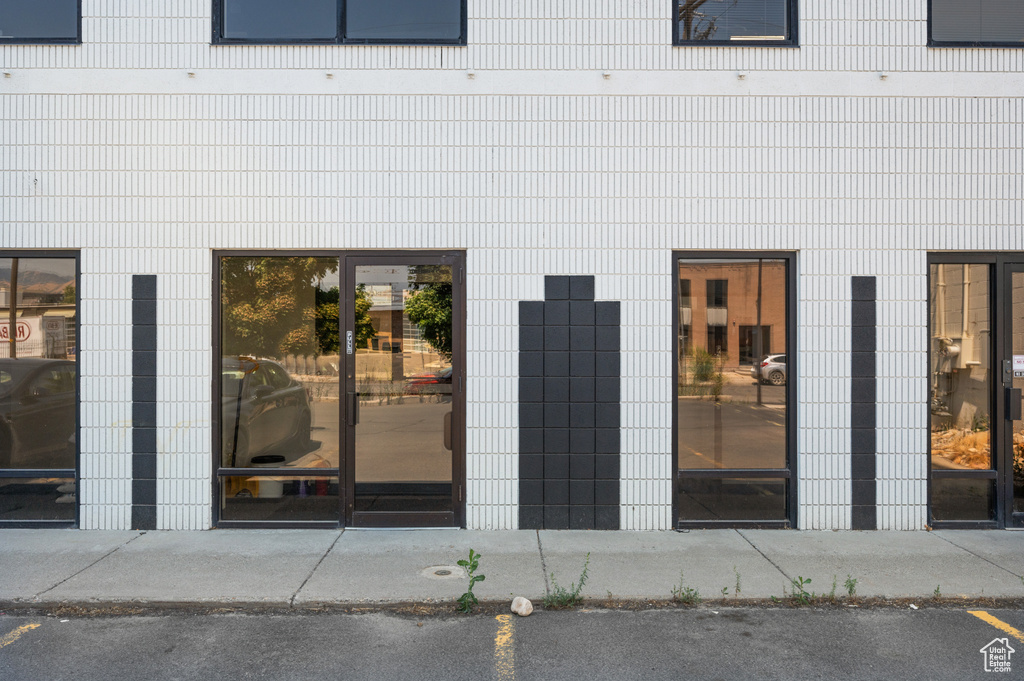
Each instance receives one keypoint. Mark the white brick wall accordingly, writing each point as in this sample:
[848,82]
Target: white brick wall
[583,143]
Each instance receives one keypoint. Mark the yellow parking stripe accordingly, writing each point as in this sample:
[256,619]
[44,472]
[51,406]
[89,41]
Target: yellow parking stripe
[998,624]
[504,652]
[17,633]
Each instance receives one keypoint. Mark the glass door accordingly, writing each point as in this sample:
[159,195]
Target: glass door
[403,351]
[1012,389]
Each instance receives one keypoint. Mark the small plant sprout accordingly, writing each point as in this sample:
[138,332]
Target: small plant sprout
[800,594]
[560,597]
[685,594]
[851,586]
[725,591]
[937,594]
[737,591]
[468,600]
[832,593]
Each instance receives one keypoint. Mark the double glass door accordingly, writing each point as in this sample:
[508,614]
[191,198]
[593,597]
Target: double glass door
[341,390]
[976,360]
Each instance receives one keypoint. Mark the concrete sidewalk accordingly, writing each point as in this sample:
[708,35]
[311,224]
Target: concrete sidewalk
[286,568]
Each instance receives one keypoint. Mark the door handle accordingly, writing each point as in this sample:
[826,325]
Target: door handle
[448,431]
[1013,404]
[353,409]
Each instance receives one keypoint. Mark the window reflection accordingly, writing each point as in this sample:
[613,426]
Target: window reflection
[38,402]
[960,367]
[734,20]
[404,387]
[280,362]
[732,377]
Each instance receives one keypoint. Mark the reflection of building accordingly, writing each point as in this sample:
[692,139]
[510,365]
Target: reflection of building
[719,311]
[960,345]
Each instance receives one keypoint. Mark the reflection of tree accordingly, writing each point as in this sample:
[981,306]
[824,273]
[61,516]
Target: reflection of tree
[695,24]
[328,340]
[430,308]
[364,323]
[268,304]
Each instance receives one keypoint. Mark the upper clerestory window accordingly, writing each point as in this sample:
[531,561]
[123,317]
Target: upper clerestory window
[40,21]
[734,22]
[387,22]
[980,23]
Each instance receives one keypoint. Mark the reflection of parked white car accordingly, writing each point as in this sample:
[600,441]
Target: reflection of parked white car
[262,407]
[771,369]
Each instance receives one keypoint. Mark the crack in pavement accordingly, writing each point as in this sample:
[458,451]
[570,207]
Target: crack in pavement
[964,548]
[543,565]
[291,601]
[116,548]
[770,561]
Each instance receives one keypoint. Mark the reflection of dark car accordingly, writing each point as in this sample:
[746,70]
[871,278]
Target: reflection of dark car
[37,413]
[430,384]
[262,408]
[772,369]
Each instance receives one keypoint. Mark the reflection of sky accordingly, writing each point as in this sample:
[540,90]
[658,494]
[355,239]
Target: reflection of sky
[742,18]
[39,19]
[274,19]
[410,19]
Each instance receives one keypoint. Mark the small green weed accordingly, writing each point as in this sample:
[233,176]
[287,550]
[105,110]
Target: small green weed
[685,594]
[832,593]
[851,586]
[737,591]
[800,594]
[560,597]
[937,594]
[468,600]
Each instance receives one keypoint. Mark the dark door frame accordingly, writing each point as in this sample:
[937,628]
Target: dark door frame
[456,517]
[346,470]
[1001,264]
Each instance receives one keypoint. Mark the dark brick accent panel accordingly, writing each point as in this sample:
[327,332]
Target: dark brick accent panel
[569,408]
[863,402]
[144,344]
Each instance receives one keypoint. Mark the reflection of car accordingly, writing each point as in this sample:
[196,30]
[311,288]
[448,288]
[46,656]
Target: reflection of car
[430,384]
[772,369]
[37,413]
[262,408]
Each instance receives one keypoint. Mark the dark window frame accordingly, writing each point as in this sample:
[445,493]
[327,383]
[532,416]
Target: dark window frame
[217,31]
[1002,456]
[76,40]
[790,473]
[792,40]
[346,472]
[932,42]
[56,472]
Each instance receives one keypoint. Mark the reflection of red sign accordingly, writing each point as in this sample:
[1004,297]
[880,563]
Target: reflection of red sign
[23,333]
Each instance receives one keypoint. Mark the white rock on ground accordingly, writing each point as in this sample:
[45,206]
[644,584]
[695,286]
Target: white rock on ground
[522,606]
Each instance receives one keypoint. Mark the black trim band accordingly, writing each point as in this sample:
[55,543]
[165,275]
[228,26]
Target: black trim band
[144,345]
[863,403]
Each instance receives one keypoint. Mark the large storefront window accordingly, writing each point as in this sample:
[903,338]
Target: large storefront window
[38,389]
[976,380]
[279,384]
[963,486]
[733,391]
[340,398]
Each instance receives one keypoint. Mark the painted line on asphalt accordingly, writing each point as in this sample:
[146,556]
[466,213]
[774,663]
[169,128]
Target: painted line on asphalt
[998,624]
[13,636]
[504,649]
